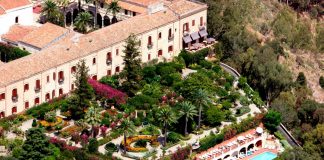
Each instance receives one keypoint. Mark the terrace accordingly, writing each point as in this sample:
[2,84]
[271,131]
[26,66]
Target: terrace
[240,146]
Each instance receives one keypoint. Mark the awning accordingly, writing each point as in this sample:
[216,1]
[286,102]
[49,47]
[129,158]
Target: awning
[187,39]
[203,33]
[194,36]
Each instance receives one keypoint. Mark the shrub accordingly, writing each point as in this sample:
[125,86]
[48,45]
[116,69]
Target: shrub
[110,80]
[301,79]
[321,81]
[141,143]
[111,147]
[137,121]
[34,124]
[11,53]
[181,154]
[93,145]
[173,137]
[214,116]
[205,64]
[105,121]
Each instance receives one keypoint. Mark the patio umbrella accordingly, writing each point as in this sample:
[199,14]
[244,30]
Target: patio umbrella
[259,130]
[240,138]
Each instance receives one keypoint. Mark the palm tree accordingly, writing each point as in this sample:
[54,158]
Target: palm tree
[64,4]
[93,117]
[128,127]
[167,117]
[189,111]
[82,21]
[51,12]
[114,8]
[200,99]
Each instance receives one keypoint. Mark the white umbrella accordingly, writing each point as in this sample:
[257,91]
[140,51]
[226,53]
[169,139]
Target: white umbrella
[240,138]
[259,130]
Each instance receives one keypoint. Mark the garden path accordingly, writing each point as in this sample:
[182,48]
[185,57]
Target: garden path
[26,125]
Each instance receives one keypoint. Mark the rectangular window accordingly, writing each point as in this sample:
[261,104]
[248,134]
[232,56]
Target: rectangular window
[73,69]
[36,101]
[117,69]
[2,96]
[47,79]
[170,49]
[109,73]
[117,52]
[193,22]
[126,12]
[26,87]
[38,86]
[54,76]
[186,27]
[61,77]
[160,52]
[160,35]
[26,105]
[149,56]
[201,21]
[94,61]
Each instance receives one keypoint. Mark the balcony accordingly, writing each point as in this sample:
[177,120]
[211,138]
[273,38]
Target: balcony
[186,32]
[37,89]
[149,46]
[14,98]
[108,61]
[201,28]
[61,80]
[171,37]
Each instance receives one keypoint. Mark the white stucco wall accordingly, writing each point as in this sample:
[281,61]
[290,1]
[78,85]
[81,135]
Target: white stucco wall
[24,14]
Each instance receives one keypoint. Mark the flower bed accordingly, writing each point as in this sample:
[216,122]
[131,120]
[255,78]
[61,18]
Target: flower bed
[132,139]
[58,121]
[70,130]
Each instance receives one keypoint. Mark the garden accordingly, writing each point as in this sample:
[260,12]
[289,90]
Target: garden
[139,111]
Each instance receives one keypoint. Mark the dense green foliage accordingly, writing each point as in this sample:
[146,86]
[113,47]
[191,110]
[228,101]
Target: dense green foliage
[271,120]
[321,81]
[9,53]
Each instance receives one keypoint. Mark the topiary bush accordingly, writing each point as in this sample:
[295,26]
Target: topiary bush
[173,137]
[111,147]
[141,143]
[93,145]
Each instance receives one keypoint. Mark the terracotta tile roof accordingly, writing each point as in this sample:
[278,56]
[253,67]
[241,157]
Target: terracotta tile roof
[11,4]
[44,35]
[67,49]
[184,7]
[142,2]
[2,11]
[130,6]
[17,32]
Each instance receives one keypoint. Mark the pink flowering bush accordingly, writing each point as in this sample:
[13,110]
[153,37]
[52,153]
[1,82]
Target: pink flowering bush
[62,144]
[103,130]
[181,154]
[108,92]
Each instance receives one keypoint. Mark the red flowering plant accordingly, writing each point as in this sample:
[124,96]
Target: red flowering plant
[103,130]
[181,153]
[108,92]
[84,139]
[62,144]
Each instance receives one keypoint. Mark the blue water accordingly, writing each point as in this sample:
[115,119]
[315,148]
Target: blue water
[265,156]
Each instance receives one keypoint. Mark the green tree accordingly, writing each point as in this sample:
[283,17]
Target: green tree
[127,127]
[201,99]
[271,120]
[93,117]
[114,8]
[214,116]
[36,146]
[131,74]
[166,116]
[301,79]
[189,111]
[83,21]
[83,94]
[52,13]
[297,153]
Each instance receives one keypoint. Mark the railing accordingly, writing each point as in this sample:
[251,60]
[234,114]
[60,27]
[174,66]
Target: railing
[14,98]
[61,80]
[37,89]
[149,46]
[108,61]
[171,37]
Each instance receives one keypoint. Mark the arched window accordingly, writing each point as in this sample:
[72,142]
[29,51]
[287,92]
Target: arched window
[117,69]
[94,77]
[53,94]
[61,77]
[109,57]
[37,101]
[16,20]
[160,52]
[170,32]
[60,92]
[160,35]
[14,110]
[14,95]
[94,61]
[26,105]
[73,69]
[47,97]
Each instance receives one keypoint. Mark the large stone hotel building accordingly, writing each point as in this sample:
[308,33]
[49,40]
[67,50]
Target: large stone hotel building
[164,29]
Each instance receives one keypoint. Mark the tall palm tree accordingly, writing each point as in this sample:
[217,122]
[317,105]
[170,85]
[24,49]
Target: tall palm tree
[200,99]
[128,127]
[114,8]
[167,117]
[189,111]
[83,21]
[64,4]
[51,12]
[93,117]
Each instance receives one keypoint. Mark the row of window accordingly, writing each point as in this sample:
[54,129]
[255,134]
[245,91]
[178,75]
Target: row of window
[193,23]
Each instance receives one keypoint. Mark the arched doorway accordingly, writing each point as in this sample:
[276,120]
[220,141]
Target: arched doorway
[106,21]
[114,20]
[92,16]
[75,14]
[99,20]
[258,143]
[243,150]
[68,18]
[250,146]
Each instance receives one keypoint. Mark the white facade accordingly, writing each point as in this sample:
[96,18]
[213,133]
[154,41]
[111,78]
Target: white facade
[98,66]
[21,15]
